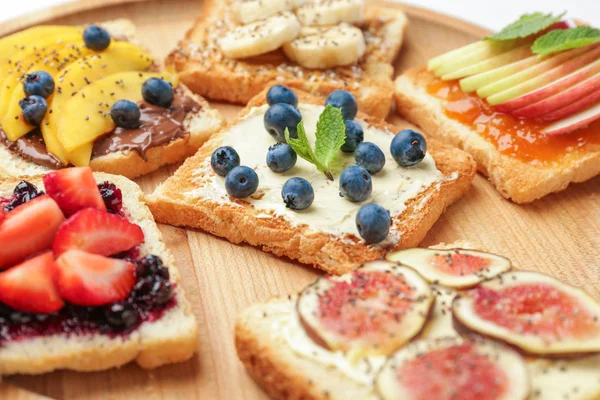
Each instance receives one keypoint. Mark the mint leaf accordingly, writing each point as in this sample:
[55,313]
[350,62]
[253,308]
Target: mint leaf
[565,39]
[331,135]
[527,25]
[300,145]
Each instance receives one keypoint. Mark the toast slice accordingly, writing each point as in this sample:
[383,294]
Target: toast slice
[171,338]
[519,181]
[199,126]
[263,333]
[203,67]
[190,198]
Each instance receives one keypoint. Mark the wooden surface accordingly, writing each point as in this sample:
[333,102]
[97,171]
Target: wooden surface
[559,235]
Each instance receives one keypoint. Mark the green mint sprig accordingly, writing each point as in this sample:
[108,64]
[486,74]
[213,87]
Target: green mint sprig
[565,39]
[331,136]
[527,25]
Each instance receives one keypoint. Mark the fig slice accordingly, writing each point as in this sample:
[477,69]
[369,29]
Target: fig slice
[454,368]
[455,268]
[370,311]
[533,312]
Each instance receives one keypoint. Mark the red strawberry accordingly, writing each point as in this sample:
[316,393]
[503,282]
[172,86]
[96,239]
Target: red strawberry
[74,189]
[29,229]
[90,280]
[29,286]
[2,214]
[97,232]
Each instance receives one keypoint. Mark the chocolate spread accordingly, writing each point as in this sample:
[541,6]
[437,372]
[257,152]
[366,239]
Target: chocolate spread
[32,148]
[158,126]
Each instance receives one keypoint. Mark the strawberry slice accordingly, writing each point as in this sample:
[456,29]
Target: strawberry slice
[29,229]
[29,286]
[2,214]
[97,232]
[74,189]
[91,280]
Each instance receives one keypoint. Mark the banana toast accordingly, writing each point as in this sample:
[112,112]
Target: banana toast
[206,70]
[325,235]
[29,155]
[289,359]
[170,336]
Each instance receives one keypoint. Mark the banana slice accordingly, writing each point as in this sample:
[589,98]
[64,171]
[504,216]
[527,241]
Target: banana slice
[330,12]
[247,11]
[260,37]
[320,48]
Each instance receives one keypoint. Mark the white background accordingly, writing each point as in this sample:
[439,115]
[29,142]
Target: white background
[493,14]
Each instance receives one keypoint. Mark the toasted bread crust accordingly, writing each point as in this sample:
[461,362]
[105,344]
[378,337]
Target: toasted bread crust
[130,164]
[516,180]
[172,338]
[204,69]
[276,235]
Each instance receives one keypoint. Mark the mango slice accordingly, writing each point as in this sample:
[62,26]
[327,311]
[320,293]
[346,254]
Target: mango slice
[84,119]
[51,59]
[119,57]
[29,39]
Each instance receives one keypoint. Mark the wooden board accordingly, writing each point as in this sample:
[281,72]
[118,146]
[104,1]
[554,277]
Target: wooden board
[559,235]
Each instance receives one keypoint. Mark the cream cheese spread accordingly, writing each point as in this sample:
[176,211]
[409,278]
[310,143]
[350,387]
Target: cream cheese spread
[393,187]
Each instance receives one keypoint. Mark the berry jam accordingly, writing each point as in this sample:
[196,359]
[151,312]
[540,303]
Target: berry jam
[521,139]
[22,193]
[151,297]
[112,196]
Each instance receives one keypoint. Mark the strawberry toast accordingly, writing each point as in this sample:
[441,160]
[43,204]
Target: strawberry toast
[444,323]
[525,103]
[86,282]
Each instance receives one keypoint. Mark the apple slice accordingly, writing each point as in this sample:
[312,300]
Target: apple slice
[511,56]
[480,80]
[560,100]
[438,61]
[573,108]
[565,73]
[488,50]
[574,122]
[516,76]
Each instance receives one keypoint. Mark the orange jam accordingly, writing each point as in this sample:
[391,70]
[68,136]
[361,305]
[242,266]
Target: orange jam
[517,138]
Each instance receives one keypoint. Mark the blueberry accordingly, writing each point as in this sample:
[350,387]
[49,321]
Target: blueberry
[158,92]
[150,265]
[241,182]
[280,116]
[408,148]
[126,114]
[297,194]
[373,223]
[34,109]
[224,159]
[121,315]
[282,94]
[344,100]
[39,83]
[369,156]
[96,38]
[281,157]
[354,136]
[355,184]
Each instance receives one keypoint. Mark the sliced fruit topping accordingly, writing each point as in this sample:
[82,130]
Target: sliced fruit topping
[29,286]
[534,312]
[372,310]
[91,280]
[255,10]
[454,368]
[84,119]
[74,189]
[29,229]
[119,57]
[260,37]
[97,232]
[455,268]
[573,122]
[328,47]
[330,12]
